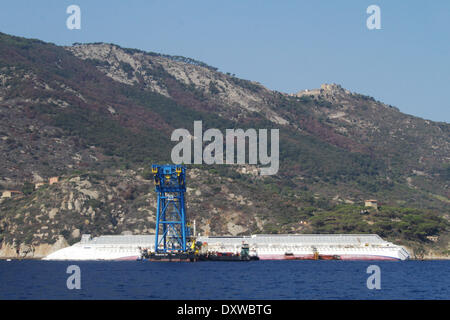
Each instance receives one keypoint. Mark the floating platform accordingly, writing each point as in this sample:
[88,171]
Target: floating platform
[171,257]
[191,257]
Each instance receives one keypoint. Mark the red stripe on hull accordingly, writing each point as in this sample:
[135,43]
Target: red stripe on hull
[129,258]
[311,257]
[383,258]
[298,257]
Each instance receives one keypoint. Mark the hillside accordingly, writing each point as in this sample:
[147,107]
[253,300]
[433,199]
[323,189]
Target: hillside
[98,115]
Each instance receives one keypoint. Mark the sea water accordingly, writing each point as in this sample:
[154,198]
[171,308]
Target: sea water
[33,279]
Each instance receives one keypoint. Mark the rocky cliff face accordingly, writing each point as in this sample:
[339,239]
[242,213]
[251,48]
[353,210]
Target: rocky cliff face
[30,251]
[134,67]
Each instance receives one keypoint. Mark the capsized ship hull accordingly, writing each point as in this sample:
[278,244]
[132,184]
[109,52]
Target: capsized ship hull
[265,247]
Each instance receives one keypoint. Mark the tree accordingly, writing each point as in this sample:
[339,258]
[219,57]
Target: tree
[27,188]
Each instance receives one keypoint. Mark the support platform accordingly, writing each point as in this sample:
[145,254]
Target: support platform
[172,257]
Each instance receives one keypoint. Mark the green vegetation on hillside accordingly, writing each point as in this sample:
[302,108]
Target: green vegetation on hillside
[335,148]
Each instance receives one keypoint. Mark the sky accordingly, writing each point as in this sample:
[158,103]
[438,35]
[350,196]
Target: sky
[285,45]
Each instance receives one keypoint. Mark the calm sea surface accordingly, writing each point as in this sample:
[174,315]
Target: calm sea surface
[225,280]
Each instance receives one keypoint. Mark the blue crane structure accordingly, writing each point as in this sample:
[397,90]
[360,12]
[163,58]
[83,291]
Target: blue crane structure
[171,228]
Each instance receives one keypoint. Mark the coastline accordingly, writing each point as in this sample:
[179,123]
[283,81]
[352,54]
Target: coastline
[38,252]
[430,258]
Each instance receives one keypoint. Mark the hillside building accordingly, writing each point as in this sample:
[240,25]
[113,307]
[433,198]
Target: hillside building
[371,204]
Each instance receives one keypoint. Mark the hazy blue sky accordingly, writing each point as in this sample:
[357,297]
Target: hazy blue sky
[285,45]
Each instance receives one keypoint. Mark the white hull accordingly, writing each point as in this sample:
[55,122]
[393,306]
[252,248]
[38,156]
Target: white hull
[95,253]
[266,247]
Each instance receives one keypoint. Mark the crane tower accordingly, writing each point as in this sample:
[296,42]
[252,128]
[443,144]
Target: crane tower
[171,228]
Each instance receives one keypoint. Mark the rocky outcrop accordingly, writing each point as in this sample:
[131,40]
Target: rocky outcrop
[137,67]
[24,251]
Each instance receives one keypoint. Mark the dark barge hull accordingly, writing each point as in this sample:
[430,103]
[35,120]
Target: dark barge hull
[191,257]
[172,257]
